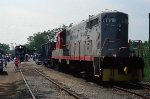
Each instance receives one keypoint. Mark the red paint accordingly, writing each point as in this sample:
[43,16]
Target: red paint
[59,42]
[81,58]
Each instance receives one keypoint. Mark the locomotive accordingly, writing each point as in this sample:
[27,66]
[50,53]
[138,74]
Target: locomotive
[46,53]
[20,52]
[98,46]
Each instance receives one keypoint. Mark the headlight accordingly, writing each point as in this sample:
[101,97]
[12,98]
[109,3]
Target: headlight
[126,70]
[114,55]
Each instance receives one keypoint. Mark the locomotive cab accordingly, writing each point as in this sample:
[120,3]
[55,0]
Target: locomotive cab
[60,47]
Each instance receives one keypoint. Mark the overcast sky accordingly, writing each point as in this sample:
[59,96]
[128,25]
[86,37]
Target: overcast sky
[22,18]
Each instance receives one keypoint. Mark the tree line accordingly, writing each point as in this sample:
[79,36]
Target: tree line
[4,49]
[34,42]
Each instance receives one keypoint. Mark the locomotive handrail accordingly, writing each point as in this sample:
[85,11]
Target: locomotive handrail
[104,44]
[137,48]
[111,41]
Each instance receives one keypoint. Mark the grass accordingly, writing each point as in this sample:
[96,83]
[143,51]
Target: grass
[147,69]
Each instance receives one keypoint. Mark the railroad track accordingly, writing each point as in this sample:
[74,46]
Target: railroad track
[33,96]
[56,83]
[137,89]
[141,85]
[62,87]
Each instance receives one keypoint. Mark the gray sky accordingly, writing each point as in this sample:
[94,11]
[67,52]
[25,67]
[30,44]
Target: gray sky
[22,18]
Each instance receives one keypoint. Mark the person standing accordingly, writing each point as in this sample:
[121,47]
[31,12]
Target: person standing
[5,62]
[17,61]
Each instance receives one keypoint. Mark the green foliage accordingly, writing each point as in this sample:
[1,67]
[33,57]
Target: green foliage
[29,49]
[4,49]
[146,57]
[35,41]
[136,47]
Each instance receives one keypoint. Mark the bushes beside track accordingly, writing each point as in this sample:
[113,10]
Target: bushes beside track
[147,68]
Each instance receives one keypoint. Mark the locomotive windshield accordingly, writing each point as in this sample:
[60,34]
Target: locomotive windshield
[108,20]
[125,21]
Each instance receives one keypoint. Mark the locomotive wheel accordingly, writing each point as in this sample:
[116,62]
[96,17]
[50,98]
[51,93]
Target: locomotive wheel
[62,67]
[1,70]
[59,66]
[54,63]
[90,72]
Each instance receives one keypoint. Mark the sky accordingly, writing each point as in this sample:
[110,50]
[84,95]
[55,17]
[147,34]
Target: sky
[20,19]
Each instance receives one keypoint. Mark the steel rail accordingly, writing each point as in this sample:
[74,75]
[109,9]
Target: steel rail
[122,89]
[61,87]
[27,85]
[140,85]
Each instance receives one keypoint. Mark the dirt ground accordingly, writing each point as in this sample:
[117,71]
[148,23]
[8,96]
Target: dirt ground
[11,84]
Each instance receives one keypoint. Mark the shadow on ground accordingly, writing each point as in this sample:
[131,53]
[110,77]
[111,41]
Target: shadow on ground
[4,73]
[16,90]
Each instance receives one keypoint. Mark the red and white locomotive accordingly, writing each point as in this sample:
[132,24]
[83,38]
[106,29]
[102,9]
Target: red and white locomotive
[99,46]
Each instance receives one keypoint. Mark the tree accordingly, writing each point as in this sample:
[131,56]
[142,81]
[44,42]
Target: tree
[35,41]
[4,48]
[29,49]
